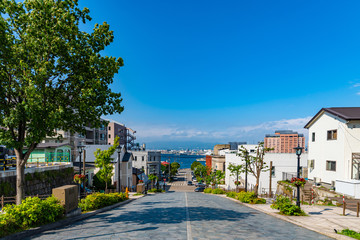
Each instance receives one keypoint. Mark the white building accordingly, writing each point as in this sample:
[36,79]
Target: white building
[334,148]
[126,159]
[284,166]
[148,161]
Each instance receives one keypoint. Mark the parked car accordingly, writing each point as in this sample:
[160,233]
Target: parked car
[194,180]
[190,183]
[200,185]
[199,189]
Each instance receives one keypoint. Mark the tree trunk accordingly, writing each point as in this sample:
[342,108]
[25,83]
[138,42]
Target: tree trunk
[105,187]
[20,177]
[237,182]
[256,188]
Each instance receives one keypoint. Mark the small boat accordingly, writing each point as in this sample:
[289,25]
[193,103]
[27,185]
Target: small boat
[200,159]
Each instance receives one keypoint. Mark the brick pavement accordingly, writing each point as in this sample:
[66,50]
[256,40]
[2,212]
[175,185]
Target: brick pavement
[181,215]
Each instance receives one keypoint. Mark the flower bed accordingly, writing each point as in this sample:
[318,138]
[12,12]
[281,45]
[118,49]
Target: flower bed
[246,197]
[99,200]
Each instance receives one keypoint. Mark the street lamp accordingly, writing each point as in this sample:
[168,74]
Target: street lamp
[298,150]
[118,149]
[80,148]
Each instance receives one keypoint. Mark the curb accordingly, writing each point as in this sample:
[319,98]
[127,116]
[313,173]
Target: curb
[284,218]
[61,223]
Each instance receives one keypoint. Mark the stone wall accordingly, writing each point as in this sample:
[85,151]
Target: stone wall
[38,182]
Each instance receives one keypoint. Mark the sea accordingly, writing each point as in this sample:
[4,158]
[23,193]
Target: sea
[184,160]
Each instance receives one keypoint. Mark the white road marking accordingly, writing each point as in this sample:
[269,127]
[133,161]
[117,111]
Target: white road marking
[188,223]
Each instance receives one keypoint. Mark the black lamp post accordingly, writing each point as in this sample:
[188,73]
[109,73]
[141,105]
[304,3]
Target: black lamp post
[118,149]
[80,148]
[246,169]
[298,150]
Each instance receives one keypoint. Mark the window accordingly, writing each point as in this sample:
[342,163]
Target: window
[313,137]
[135,158]
[142,158]
[102,127]
[102,136]
[109,128]
[109,135]
[332,135]
[331,166]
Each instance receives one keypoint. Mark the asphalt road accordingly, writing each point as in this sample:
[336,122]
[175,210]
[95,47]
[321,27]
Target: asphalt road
[181,215]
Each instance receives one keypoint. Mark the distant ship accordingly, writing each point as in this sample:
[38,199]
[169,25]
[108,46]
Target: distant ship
[200,159]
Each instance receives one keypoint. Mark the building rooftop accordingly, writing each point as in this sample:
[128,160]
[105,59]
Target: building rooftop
[346,113]
[278,132]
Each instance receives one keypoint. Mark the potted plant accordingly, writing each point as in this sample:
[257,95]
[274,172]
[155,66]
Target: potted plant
[298,181]
[79,178]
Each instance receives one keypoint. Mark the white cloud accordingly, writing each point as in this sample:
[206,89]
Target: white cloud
[244,133]
[358,93]
[355,85]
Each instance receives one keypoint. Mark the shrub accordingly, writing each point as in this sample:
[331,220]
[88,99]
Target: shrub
[207,190]
[217,191]
[258,201]
[350,233]
[245,197]
[154,190]
[286,207]
[31,212]
[231,194]
[99,200]
[99,183]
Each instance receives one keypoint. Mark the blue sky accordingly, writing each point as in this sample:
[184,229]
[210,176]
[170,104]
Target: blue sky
[219,71]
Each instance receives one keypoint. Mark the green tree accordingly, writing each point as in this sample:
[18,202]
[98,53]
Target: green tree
[256,163]
[194,165]
[103,161]
[174,167]
[153,178]
[235,171]
[52,74]
[201,172]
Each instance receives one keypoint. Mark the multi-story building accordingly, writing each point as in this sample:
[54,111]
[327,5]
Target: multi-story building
[284,141]
[148,161]
[334,149]
[125,134]
[92,136]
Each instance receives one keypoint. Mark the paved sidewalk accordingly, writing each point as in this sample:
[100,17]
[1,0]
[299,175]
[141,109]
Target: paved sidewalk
[321,219]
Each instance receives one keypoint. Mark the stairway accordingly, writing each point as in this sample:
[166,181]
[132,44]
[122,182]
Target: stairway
[306,192]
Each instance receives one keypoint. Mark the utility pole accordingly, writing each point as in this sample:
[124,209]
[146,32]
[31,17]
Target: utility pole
[246,169]
[270,193]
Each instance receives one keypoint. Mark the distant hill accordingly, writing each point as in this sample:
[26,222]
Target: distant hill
[179,145]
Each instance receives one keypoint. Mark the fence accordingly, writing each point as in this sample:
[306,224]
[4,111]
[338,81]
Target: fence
[288,176]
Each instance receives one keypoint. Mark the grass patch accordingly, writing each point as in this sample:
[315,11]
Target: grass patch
[350,233]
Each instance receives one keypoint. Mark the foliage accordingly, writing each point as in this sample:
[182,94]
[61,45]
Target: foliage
[32,212]
[255,164]
[6,188]
[235,171]
[98,183]
[52,74]
[231,194]
[194,165]
[286,207]
[103,161]
[298,182]
[138,194]
[217,191]
[153,177]
[350,233]
[174,168]
[218,176]
[99,200]
[246,197]
[207,190]
[154,190]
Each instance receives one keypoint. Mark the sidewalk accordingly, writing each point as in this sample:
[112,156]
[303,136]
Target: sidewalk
[321,219]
